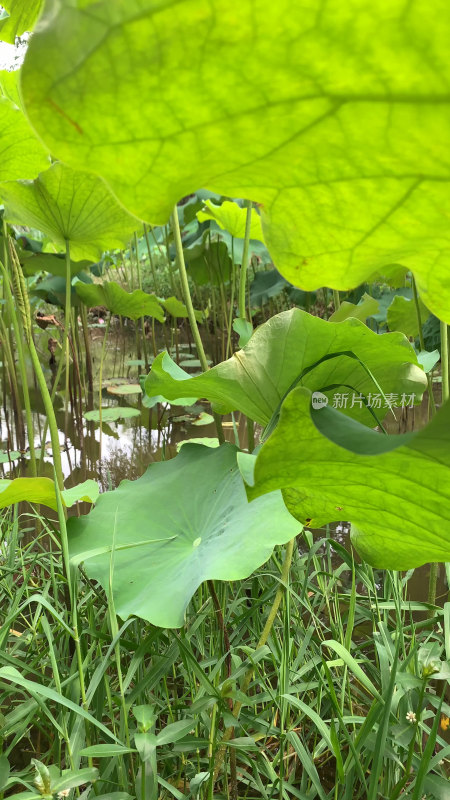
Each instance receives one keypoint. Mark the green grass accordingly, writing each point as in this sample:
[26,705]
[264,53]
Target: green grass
[324,716]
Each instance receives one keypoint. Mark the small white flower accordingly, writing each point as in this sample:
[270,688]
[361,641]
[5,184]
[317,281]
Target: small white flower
[64,793]
[411,717]
[441,762]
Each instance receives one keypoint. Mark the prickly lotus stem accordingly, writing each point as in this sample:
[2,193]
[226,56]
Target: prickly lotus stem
[20,290]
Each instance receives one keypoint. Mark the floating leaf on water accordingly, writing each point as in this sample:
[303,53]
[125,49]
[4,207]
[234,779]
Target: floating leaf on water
[192,363]
[163,535]
[111,414]
[126,388]
[5,457]
[137,362]
[203,419]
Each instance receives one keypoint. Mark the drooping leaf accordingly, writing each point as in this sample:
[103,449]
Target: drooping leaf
[22,155]
[428,360]
[366,307]
[164,537]
[49,262]
[52,289]
[208,262]
[402,315]
[126,388]
[231,217]
[339,128]
[395,490]
[72,206]
[244,329]
[111,414]
[129,304]
[6,457]
[265,285]
[255,379]
[20,17]
[176,308]
[42,490]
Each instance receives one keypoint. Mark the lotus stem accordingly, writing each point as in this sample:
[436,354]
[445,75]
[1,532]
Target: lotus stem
[190,308]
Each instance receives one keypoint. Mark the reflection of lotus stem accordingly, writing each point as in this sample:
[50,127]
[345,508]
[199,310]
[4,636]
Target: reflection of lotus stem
[284,577]
[190,308]
[100,384]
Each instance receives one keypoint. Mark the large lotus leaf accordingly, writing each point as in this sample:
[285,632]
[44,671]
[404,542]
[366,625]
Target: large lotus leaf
[186,520]
[52,289]
[9,84]
[20,17]
[402,315]
[69,205]
[255,379]
[129,304]
[22,155]
[333,116]
[42,491]
[366,307]
[265,285]
[232,218]
[395,490]
[49,262]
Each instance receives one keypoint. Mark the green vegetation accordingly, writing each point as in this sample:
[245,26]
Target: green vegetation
[224,241]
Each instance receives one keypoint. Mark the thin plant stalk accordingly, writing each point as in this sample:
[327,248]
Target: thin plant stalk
[190,308]
[336,299]
[431,403]
[20,355]
[242,309]
[244,265]
[23,305]
[139,277]
[432,580]
[152,265]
